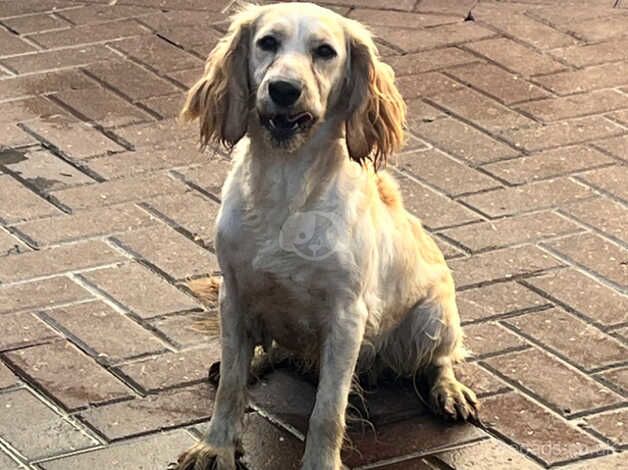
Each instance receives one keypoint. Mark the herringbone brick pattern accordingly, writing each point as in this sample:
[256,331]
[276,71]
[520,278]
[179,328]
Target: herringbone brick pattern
[516,164]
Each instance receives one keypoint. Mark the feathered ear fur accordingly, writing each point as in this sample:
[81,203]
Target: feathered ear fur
[220,99]
[376,110]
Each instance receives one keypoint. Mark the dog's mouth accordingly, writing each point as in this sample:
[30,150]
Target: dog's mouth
[284,126]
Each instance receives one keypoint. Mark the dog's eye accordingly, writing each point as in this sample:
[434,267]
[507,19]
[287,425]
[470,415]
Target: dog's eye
[268,43]
[325,52]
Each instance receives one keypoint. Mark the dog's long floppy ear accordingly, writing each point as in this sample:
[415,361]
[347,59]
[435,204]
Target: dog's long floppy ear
[376,110]
[220,98]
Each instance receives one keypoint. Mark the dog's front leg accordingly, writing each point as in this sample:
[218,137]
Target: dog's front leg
[338,357]
[216,451]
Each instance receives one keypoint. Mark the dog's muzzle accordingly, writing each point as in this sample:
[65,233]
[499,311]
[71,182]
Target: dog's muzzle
[283,126]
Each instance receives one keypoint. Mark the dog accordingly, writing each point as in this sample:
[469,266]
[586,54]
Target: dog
[318,255]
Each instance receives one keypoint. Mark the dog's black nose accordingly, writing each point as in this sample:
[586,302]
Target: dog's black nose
[284,93]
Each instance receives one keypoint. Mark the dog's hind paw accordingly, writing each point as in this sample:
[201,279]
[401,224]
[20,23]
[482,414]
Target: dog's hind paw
[204,457]
[454,401]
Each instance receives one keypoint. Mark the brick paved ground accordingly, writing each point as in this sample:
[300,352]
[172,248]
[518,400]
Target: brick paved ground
[517,165]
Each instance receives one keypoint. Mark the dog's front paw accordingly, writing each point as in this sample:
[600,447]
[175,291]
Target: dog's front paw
[454,401]
[202,456]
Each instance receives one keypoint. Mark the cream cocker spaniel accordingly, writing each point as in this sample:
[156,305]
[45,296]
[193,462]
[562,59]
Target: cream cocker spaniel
[319,256]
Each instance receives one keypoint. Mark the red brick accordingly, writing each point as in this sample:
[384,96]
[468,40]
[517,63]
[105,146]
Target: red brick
[432,38]
[497,300]
[36,23]
[268,446]
[57,260]
[501,264]
[594,253]
[76,139]
[536,430]
[152,452]
[611,426]
[490,338]
[89,33]
[577,341]
[539,137]
[510,231]
[459,8]
[399,19]
[548,164]
[72,378]
[543,195]
[172,369]
[487,454]
[162,134]
[603,214]
[26,109]
[516,57]
[18,203]
[36,431]
[599,29]
[406,5]
[595,102]
[13,44]
[50,82]
[23,329]
[157,53]
[23,7]
[591,78]
[463,141]
[40,294]
[168,106]
[605,461]
[86,224]
[150,296]
[49,60]
[569,392]
[152,413]
[118,191]
[100,14]
[611,180]
[427,61]
[479,380]
[187,78]
[445,173]
[494,81]
[189,330]
[428,84]
[565,16]
[210,178]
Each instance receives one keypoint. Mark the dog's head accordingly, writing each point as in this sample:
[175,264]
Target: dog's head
[288,68]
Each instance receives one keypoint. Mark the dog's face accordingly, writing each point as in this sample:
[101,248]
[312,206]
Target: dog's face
[288,68]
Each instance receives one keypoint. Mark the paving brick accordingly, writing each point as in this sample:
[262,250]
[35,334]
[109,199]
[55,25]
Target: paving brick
[170,251]
[192,212]
[611,426]
[199,40]
[483,111]
[41,61]
[35,23]
[599,29]
[103,13]
[463,141]
[26,109]
[621,116]
[118,191]
[163,134]
[582,293]
[516,57]
[189,330]
[605,461]
[487,454]
[590,78]
[89,33]
[595,102]
[459,8]
[40,294]
[569,392]
[168,106]
[9,9]
[95,326]
[46,172]
[500,265]
[50,82]
[445,173]
[10,245]
[603,214]
[132,80]
[427,84]
[399,19]
[23,329]
[172,369]
[76,139]
[187,78]
[510,231]
[479,380]
[542,434]
[435,210]
[412,464]
[427,61]
[617,378]
[7,379]
[151,296]
[152,413]
[152,452]
[540,137]
[548,164]
[18,203]
[72,378]
[36,431]
[13,44]
[577,341]
[103,106]
[57,260]
[490,338]
[158,53]
[497,300]
[542,195]
[13,136]
[209,178]
[492,80]
[406,5]
[594,253]
[438,36]
[610,180]
[566,16]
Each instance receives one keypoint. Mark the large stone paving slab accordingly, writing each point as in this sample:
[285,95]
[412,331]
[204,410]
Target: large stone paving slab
[516,162]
